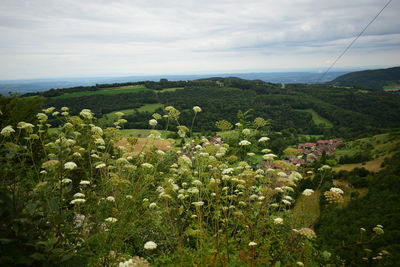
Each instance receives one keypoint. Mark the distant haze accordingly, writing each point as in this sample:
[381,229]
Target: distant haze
[92,38]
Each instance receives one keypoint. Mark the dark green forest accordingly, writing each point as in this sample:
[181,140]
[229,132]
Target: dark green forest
[374,79]
[353,112]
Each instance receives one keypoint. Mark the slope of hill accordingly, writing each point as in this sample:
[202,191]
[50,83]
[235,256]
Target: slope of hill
[374,79]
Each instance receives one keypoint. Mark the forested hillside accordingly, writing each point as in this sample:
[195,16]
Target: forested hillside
[374,79]
[298,107]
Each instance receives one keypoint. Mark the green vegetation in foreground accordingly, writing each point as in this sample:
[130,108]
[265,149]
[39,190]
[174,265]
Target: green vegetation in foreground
[105,91]
[317,119]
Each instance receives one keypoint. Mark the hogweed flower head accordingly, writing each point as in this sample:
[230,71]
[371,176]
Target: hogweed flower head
[78,201]
[7,131]
[252,244]
[111,220]
[244,143]
[150,245]
[153,122]
[196,109]
[308,192]
[70,165]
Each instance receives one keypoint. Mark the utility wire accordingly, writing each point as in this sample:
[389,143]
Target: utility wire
[354,40]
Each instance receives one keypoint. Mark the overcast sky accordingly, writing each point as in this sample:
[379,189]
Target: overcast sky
[59,38]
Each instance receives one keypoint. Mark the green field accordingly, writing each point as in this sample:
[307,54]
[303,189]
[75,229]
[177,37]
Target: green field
[170,89]
[317,119]
[392,86]
[105,91]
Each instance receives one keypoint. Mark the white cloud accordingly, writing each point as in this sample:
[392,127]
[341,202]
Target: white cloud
[71,37]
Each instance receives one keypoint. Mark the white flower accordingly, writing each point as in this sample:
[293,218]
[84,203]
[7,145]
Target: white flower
[278,221]
[197,183]
[325,167]
[278,189]
[308,192]
[84,182]
[193,190]
[64,109]
[70,165]
[153,122]
[263,139]
[246,131]
[86,113]
[281,174]
[79,195]
[25,125]
[252,244]
[244,143]
[198,203]
[269,156]
[111,220]
[129,196]
[150,245]
[250,154]
[97,130]
[336,190]
[110,198]
[7,131]
[101,165]
[42,117]
[286,202]
[147,165]
[197,109]
[78,201]
[153,205]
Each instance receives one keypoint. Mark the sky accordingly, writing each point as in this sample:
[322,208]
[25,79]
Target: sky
[68,38]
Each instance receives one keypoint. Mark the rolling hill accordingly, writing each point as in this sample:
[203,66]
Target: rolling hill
[373,79]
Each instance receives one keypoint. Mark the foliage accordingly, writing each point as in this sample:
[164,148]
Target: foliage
[71,197]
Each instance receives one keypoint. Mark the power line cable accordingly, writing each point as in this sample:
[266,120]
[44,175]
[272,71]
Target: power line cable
[354,40]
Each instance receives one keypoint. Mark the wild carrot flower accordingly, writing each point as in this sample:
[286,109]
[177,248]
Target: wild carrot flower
[101,165]
[84,182]
[7,131]
[197,183]
[198,203]
[278,221]
[153,122]
[307,232]
[252,244]
[70,165]
[111,220]
[308,192]
[336,190]
[150,245]
[246,131]
[110,199]
[86,114]
[269,156]
[42,117]
[147,165]
[153,205]
[263,139]
[78,201]
[244,143]
[378,230]
[196,109]
[79,195]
